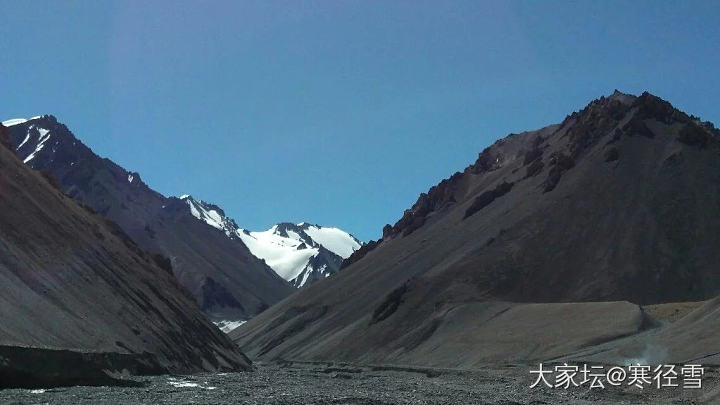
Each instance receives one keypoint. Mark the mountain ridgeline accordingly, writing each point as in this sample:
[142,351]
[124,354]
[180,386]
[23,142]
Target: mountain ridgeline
[548,232]
[227,281]
[302,253]
[78,297]
[299,253]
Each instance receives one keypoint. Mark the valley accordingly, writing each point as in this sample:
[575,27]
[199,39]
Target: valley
[490,272]
[346,384]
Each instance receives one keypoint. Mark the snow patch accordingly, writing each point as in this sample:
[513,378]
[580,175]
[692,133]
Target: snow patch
[333,239]
[44,136]
[24,141]
[180,383]
[279,252]
[130,178]
[14,121]
[228,326]
[211,216]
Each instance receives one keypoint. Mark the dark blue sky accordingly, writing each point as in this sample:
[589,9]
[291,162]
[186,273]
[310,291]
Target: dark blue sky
[336,112]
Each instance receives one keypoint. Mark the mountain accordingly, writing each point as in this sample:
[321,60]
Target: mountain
[77,296]
[226,280]
[542,240]
[692,339]
[300,254]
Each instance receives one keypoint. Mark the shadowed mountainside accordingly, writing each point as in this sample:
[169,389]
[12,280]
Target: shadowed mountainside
[71,279]
[223,276]
[619,202]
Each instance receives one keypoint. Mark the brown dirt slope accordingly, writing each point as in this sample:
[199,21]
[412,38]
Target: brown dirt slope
[692,339]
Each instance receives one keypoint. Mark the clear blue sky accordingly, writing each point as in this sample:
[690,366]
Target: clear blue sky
[336,112]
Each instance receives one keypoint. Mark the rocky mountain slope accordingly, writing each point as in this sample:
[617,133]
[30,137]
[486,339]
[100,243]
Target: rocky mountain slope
[226,280]
[619,202]
[300,254]
[71,279]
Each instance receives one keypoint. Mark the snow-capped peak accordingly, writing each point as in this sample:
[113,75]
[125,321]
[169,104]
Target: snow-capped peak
[36,136]
[301,253]
[39,136]
[18,121]
[333,239]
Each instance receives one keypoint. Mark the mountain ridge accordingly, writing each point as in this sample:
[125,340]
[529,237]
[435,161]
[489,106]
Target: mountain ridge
[76,288]
[618,202]
[278,249]
[302,253]
[224,277]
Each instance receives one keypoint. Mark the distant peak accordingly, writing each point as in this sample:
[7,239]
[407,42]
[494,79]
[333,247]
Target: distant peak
[305,225]
[617,92]
[48,117]
[624,98]
[211,214]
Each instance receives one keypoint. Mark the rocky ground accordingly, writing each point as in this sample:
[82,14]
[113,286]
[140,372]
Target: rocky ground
[304,383]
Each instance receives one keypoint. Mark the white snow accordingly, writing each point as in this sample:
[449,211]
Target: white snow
[130,178]
[228,326]
[333,239]
[24,141]
[180,383]
[293,235]
[14,121]
[44,136]
[279,252]
[40,391]
[203,212]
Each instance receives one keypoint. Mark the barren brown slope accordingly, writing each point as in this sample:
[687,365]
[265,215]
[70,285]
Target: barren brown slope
[619,202]
[226,280]
[692,339]
[70,279]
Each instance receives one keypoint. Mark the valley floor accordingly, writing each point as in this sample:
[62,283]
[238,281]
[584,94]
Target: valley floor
[303,383]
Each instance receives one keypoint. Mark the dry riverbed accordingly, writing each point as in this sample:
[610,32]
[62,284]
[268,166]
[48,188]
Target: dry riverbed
[304,383]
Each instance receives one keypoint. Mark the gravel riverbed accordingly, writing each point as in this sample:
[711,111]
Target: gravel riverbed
[305,383]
